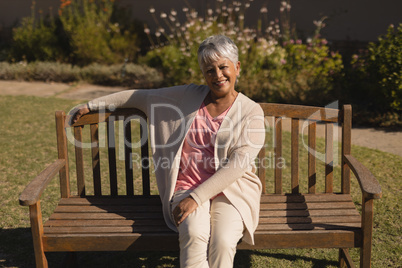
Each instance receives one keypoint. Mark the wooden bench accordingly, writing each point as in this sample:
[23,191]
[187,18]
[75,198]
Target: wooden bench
[116,206]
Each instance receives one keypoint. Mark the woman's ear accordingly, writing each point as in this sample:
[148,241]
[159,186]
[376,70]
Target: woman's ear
[238,68]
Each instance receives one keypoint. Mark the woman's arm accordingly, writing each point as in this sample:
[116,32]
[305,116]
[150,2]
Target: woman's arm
[123,99]
[78,112]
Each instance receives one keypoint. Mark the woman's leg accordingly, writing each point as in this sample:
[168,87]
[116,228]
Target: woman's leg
[194,234]
[226,231]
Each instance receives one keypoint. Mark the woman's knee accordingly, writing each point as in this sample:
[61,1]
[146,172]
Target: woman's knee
[193,233]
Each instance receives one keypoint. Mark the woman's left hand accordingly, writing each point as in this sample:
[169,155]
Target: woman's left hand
[183,209]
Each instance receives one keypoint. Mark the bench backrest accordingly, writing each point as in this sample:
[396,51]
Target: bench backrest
[126,168]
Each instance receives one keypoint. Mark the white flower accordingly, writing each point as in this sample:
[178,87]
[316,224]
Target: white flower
[194,14]
[264,10]
[210,12]
[147,31]
[163,15]
[152,10]
[173,12]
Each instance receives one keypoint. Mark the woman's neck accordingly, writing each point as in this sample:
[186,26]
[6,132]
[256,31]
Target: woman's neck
[217,105]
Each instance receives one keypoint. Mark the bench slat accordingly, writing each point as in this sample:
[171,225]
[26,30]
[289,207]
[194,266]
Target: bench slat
[106,216]
[305,198]
[306,213]
[295,156]
[301,112]
[261,169]
[278,155]
[107,200]
[329,157]
[312,173]
[106,209]
[110,230]
[111,145]
[298,220]
[96,160]
[161,228]
[317,226]
[102,222]
[305,239]
[309,206]
[127,158]
[146,184]
[79,160]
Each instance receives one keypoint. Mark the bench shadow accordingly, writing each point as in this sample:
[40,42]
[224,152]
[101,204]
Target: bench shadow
[243,258]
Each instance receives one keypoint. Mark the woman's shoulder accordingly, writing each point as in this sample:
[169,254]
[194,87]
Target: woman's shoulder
[249,104]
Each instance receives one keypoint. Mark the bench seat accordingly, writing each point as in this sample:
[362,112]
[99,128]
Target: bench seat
[83,224]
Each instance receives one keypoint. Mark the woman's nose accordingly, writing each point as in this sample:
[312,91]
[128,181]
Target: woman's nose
[218,73]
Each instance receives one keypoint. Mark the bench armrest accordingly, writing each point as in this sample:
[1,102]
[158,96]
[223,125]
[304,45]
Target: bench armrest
[35,188]
[369,185]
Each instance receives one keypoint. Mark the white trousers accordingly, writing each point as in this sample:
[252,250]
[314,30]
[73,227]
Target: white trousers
[208,237]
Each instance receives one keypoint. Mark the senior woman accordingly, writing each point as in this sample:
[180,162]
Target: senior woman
[211,135]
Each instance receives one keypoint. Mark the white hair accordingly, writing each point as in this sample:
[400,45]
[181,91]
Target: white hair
[215,47]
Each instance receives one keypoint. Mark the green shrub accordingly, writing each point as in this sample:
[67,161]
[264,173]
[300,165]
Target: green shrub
[127,75]
[85,32]
[92,35]
[378,72]
[35,39]
[274,67]
[307,74]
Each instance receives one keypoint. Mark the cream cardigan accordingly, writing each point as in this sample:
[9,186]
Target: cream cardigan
[170,112]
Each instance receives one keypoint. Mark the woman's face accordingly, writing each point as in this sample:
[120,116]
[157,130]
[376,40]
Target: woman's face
[221,76]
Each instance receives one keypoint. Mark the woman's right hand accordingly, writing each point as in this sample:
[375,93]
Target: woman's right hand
[79,111]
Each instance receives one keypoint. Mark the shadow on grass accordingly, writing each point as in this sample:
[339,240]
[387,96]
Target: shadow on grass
[17,251]
[243,259]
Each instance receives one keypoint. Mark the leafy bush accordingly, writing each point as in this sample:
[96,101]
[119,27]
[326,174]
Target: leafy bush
[128,75]
[85,32]
[35,39]
[378,71]
[275,67]
[93,36]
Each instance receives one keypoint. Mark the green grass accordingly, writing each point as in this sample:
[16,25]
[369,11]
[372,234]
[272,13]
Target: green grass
[28,144]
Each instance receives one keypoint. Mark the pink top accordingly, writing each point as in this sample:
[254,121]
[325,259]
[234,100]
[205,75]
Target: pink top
[197,158]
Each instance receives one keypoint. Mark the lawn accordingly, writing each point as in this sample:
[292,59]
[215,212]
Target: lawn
[28,144]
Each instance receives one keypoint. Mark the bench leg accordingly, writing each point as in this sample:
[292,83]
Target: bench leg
[367,227]
[344,258]
[35,214]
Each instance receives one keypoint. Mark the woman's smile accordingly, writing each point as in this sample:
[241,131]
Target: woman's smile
[221,76]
